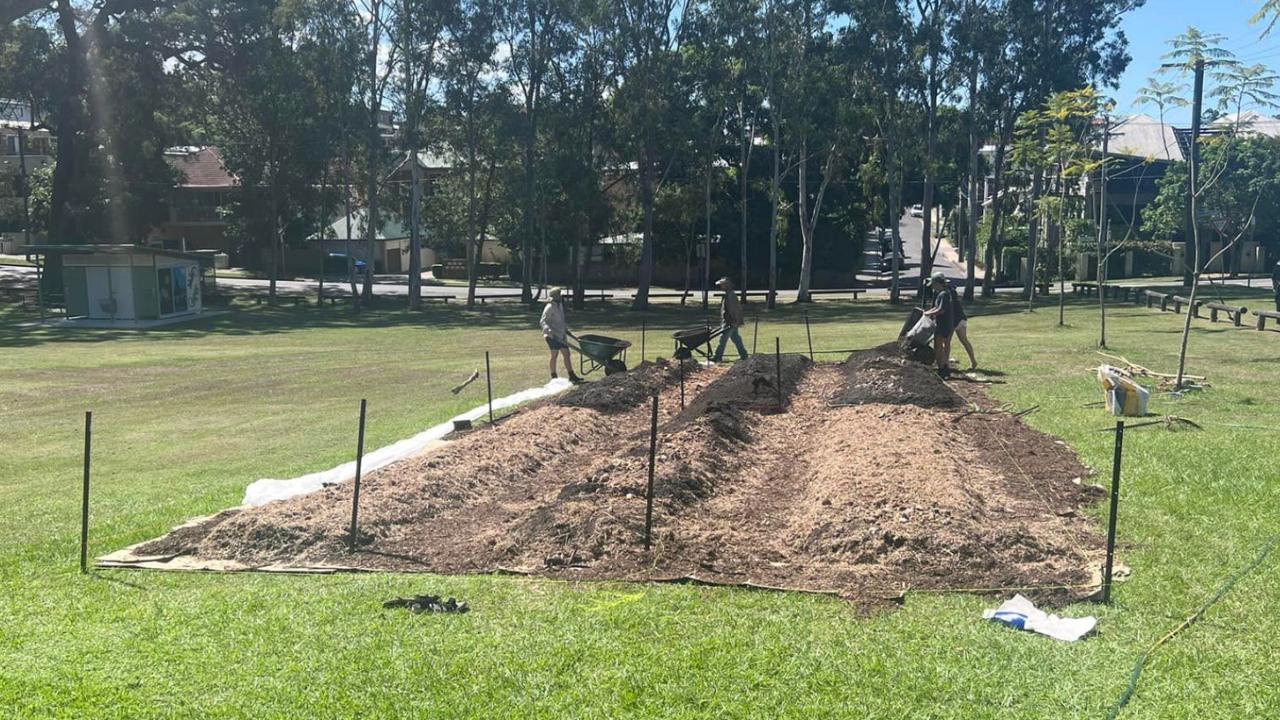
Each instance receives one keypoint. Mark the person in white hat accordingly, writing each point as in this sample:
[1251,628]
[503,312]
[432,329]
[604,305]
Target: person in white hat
[555,330]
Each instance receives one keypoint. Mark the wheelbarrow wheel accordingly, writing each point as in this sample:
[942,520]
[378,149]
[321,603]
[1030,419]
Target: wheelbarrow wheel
[614,366]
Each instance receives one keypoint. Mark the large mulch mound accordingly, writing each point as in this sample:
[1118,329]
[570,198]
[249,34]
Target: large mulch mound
[874,477]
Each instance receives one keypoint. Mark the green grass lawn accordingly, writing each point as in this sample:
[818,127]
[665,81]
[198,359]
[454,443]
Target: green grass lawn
[186,417]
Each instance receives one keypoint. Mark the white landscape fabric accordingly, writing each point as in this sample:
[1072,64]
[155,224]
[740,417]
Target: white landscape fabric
[1019,612]
[265,491]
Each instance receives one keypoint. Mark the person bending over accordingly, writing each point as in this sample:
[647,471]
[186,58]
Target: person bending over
[944,322]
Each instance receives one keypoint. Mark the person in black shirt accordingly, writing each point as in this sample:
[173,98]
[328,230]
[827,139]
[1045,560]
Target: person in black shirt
[944,322]
[962,326]
[1275,284]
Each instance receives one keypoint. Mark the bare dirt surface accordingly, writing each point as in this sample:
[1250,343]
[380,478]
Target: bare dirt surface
[873,478]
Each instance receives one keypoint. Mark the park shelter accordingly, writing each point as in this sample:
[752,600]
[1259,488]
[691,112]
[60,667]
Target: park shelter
[126,284]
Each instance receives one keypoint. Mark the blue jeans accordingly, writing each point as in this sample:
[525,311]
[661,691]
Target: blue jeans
[731,333]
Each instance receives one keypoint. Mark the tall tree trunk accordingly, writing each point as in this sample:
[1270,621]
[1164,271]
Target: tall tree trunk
[346,209]
[994,244]
[1193,169]
[646,200]
[926,203]
[415,232]
[1102,238]
[70,149]
[274,254]
[1033,239]
[775,211]
[706,236]
[975,183]
[806,232]
[373,140]
[530,189]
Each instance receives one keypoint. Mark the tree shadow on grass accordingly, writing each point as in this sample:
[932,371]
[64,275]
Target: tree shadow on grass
[21,329]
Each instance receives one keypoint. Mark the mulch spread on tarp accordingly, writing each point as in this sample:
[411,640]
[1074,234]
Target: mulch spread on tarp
[873,477]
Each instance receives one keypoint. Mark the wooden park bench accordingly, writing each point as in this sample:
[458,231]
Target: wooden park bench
[839,291]
[1263,315]
[1193,308]
[1153,296]
[1236,313]
[1083,288]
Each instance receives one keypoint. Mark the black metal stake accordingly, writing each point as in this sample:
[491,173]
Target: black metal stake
[355,495]
[808,335]
[648,495]
[84,497]
[320,295]
[777,354]
[1115,506]
[681,383]
[488,381]
[755,335]
[644,330]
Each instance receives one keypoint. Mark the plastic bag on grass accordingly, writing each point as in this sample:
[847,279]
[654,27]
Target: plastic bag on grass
[1123,396]
[1021,614]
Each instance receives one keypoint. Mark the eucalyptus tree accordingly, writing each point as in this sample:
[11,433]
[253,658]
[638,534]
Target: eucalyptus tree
[931,44]
[379,58]
[877,41]
[417,32]
[534,35]
[646,37]
[477,120]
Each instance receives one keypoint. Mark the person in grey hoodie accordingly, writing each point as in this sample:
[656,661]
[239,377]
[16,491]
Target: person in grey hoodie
[555,330]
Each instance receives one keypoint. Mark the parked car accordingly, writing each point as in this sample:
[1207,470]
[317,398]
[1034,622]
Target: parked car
[917,211]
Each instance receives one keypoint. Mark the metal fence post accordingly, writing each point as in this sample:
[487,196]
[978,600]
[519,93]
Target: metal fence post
[1115,507]
[84,497]
[653,456]
[355,496]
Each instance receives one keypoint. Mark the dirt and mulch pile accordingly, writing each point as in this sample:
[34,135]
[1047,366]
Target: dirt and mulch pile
[887,375]
[873,479]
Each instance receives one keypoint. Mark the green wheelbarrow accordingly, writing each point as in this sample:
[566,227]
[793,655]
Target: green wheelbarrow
[601,351]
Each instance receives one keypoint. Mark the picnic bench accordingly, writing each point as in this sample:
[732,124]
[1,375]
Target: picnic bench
[1193,308]
[1153,296]
[839,291]
[1263,315]
[1236,313]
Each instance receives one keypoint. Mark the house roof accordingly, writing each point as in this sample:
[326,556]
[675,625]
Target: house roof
[1142,136]
[200,167]
[1250,121]
[113,249]
[391,227]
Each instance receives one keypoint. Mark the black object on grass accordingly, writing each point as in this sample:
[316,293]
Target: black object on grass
[84,497]
[355,495]
[648,495]
[1115,507]
[427,603]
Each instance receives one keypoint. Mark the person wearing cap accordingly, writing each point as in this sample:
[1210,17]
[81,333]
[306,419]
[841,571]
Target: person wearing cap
[943,316]
[555,330]
[1275,283]
[730,320]
[960,324]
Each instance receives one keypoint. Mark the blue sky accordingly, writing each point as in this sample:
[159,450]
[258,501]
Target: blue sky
[1151,26]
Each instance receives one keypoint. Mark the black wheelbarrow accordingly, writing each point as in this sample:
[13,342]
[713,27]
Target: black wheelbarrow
[601,351]
[697,340]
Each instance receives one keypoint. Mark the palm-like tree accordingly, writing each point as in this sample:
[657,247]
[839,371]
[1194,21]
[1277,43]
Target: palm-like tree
[1163,95]
[1268,13]
[1239,83]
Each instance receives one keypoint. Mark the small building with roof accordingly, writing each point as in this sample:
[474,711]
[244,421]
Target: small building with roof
[120,285]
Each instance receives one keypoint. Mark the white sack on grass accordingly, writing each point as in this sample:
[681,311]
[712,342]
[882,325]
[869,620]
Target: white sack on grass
[265,491]
[1021,614]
